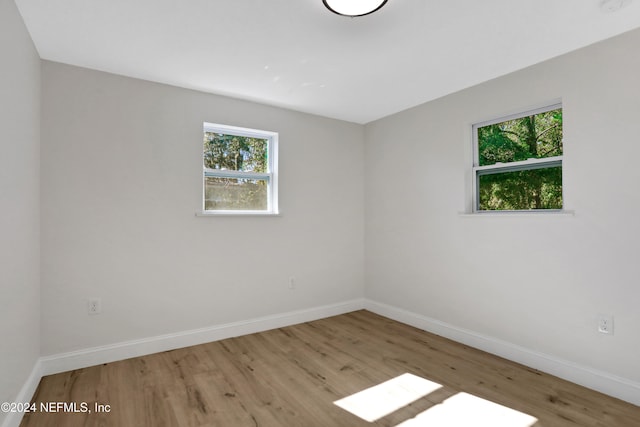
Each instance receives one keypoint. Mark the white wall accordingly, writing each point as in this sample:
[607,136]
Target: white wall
[120,183]
[533,281]
[19,203]
[122,165]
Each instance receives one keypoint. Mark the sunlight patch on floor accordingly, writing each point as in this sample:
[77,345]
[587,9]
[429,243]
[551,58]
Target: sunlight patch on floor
[375,402]
[465,409]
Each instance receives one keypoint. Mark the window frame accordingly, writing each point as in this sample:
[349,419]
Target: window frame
[529,164]
[271,176]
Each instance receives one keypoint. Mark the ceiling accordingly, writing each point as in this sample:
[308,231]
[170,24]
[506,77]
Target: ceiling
[296,54]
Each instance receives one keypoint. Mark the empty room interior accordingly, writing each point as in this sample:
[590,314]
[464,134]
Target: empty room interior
[303,213]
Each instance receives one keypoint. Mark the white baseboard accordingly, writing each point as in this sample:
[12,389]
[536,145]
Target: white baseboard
[48,365]
[597,380]
[13,419]
[124,350]
[591,378]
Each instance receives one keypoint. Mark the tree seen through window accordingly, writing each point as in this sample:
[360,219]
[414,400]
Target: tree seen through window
[526,185]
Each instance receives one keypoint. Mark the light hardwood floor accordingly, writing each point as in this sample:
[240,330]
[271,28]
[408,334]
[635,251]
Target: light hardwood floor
[291,377]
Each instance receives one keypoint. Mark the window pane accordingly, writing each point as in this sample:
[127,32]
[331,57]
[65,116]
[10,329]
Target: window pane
[521,190]
[235,194]
[232,152]
[536,136]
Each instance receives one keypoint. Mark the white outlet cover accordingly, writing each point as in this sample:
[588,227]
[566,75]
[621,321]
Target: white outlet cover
[605,324]
[610,6]
[94,306]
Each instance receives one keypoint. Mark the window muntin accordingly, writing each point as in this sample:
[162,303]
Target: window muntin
[239,170]
[518,162]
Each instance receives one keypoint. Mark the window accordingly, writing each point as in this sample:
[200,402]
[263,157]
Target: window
[240,170]
[518,162]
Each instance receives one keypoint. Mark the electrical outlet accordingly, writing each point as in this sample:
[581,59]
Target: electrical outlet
[610,6]
[605,324]
[94,306]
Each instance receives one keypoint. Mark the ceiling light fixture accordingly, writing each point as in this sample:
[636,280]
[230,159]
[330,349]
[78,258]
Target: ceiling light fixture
[353,8]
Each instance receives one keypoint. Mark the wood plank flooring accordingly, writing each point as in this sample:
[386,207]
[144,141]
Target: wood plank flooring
[291,377]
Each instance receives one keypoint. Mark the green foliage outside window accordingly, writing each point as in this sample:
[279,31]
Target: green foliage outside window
[232,152]
[235,153]
[533,137]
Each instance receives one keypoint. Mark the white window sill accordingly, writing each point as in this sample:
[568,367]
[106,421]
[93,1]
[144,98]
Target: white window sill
[502,214]
[236,213]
